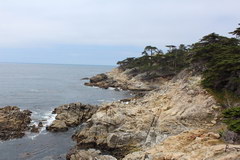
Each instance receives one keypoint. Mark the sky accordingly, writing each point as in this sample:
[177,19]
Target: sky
[102,32]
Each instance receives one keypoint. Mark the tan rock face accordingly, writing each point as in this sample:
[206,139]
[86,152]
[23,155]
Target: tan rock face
[119,80]
[13,122]
[190,145]
[173,122]
[90,154]
[57,126]
[70,115]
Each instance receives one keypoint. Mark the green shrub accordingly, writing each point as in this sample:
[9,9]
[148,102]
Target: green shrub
[232,118]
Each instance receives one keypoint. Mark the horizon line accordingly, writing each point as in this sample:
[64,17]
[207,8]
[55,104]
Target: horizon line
[58,63]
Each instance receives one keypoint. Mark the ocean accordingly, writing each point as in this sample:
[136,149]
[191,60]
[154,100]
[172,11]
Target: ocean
[41,88]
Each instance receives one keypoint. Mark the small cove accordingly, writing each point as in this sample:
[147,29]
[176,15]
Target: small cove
[40,88]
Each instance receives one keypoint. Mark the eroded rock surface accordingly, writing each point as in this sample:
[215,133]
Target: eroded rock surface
[189,145]
[123,127]
[13,122]
[119,80]
[70,115]
[88,155]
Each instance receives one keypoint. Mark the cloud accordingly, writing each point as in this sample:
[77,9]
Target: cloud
[28,23]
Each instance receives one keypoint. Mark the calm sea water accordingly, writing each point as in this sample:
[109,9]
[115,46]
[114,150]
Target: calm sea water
[40,88]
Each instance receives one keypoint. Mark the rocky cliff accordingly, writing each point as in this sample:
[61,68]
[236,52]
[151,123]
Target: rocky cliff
[176,120]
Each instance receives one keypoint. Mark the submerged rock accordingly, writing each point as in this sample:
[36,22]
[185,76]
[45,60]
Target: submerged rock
[86,78]
[40,124]
[34,129]
[70,115]
[13,122]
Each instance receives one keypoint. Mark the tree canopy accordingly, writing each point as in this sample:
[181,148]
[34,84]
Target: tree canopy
[236,32]
[153,50]
[215,57]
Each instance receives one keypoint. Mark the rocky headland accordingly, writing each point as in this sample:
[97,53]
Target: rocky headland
[175,119]
[14,122]
[121,80]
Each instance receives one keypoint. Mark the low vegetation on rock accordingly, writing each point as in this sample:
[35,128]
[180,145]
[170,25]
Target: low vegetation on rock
[232,118]
[215,57]
[158,64]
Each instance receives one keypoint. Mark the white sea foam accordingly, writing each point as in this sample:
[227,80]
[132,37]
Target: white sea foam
[101,100]
[50,117]
[94,87]
[46,119]
[33,136]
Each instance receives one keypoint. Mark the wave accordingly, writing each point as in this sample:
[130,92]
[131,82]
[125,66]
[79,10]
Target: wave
[47,119]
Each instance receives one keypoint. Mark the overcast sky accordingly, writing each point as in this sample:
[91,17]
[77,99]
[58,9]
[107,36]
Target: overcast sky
[105,31]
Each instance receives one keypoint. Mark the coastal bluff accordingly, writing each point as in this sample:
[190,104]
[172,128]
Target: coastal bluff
[176,119]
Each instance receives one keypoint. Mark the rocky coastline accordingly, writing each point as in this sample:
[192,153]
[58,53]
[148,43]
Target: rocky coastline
[175,119]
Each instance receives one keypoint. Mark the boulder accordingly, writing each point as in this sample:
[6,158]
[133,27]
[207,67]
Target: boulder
[40,125]
[34,129]
[70,115]
[13,122]
[89,154]
[98,78]
[57,126]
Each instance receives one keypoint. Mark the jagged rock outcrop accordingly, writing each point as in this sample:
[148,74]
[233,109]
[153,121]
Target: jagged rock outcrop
[70,115]
[13,122]
[88,155]
[189,145]
[178,105]
[57,126]
[98,78]
[119,80]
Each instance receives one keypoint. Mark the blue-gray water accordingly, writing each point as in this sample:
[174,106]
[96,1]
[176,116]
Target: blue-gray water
[40,88]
